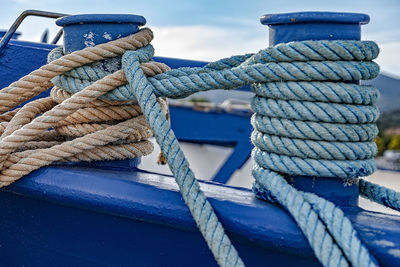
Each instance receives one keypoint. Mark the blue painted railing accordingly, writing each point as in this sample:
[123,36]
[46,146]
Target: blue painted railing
[14,36]
[113,214]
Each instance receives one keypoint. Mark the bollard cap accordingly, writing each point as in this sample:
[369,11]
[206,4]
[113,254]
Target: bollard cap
[81,31]
[315,17]
[101,18]
[300,26]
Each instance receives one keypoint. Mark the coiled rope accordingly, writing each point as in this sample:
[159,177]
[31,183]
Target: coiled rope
[308,121]
[82,127]
[328,231]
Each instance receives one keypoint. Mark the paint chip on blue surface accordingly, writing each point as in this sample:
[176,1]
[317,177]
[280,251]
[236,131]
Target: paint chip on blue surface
[107,36]
[395,252]
[89,39]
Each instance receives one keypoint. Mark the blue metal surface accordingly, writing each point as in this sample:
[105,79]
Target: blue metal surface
[14,63]
[219,128]
[86,216]
[112,214]
[300,26]
[14,36]
[81,31]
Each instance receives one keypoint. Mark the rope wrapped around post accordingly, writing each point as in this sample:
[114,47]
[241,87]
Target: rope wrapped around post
[82,127]
[308,121]
[305,64]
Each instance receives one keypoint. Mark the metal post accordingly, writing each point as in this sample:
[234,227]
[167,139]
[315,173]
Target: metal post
[82,31]
[302,26]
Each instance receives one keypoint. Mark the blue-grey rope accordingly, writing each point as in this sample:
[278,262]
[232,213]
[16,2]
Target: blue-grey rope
[319,229]
[200,208]
[183,82]
[380,194]
[308,121]
[329,232]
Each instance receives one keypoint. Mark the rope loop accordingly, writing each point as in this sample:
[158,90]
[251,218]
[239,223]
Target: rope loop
[83,127]
[310,118]
[308,121]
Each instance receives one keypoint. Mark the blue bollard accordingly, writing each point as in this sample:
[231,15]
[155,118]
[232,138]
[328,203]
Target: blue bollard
[300,26]
[83,31]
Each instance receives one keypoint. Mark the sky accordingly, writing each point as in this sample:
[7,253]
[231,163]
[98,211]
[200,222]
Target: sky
[211,29]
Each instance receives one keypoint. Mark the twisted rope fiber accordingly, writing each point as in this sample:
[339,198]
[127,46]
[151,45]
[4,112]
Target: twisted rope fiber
[304,64]
[39,80]
[380,194]
[23,134]
[334,121]
[314,102]
[20,134]
[86,127]
[83,127]
[177,82]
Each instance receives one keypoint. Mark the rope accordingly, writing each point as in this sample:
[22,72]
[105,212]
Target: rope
[308,121]
[380,194]
[83,127]
[200,208]
[330,149]
[86,126]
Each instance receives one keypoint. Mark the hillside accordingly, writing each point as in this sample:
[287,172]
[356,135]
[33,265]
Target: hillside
[389,89]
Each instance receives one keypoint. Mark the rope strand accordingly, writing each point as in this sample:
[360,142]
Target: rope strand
[323,120]
[83,126]
[308,121]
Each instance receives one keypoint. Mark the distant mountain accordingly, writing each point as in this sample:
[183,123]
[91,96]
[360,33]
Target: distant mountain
[389,88]
[389,119]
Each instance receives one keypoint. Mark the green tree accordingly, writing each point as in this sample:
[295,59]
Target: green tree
[380,144]
[394,143]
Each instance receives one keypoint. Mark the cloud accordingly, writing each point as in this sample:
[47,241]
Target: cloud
[211,43]
[389,57]
[206,42]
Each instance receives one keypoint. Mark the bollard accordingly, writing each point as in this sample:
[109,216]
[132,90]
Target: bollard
[83,31]
[288,27]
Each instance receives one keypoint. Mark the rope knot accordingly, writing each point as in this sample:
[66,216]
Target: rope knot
[310,119]
[79,121]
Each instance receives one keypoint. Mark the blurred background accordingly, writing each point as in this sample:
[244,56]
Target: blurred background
[208,30]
